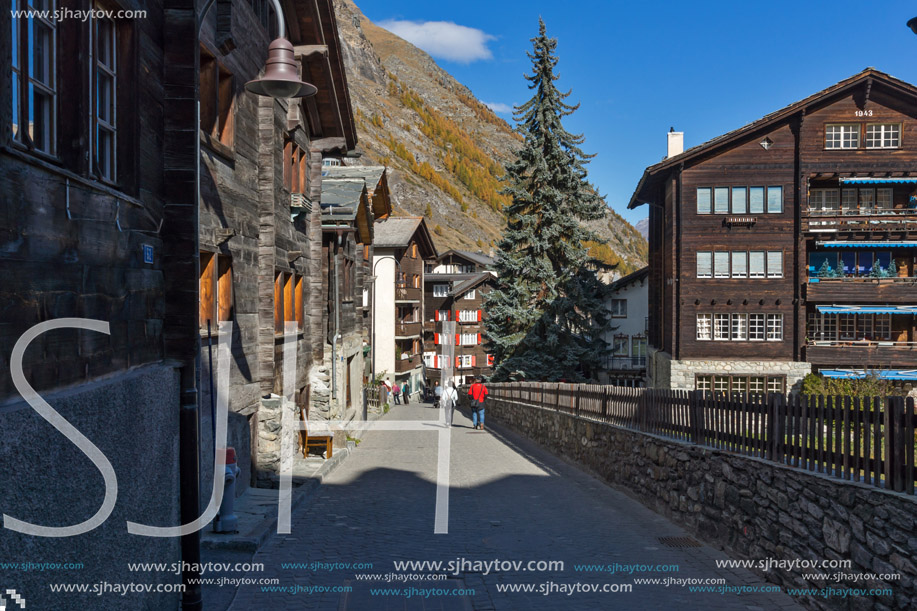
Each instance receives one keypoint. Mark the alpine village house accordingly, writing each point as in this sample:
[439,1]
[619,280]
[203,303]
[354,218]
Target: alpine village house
[788,246]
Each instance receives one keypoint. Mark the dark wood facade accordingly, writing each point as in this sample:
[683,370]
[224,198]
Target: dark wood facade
[454,289]
[793,150]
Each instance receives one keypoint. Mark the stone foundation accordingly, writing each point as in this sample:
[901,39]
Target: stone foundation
[665,372]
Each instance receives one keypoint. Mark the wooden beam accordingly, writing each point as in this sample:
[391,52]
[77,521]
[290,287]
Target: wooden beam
[305,51]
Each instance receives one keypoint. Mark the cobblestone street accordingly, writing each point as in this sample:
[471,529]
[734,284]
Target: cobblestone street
[509,500]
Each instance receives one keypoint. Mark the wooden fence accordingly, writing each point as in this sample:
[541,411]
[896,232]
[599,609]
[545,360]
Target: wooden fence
[869,440]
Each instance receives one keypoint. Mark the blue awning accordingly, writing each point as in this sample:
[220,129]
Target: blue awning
[850,309]
[877,181]
[882,374]
[879,245]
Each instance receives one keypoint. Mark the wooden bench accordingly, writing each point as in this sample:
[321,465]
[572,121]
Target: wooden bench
[307,441]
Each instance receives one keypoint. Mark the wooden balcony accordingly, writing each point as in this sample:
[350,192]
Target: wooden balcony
[871,354]
[408,293]
[407,364]
[408,329]
[856,290]
[899,220]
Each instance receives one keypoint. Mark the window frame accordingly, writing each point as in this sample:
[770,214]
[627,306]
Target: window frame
[708,255]
[24,82]
[854,128]
[882,136]
[703,327]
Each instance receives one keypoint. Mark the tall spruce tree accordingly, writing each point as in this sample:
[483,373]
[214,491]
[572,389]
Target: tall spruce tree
[546,317]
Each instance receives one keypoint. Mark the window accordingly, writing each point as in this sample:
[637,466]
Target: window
[721,264]
[739,264]
[867,199]
[703,200]
[468,269]
[756,385]
[739,384]
[739,327]
[721,327]
[216,100]
[774,264]
[704,264]
[298,300]
[638,346]
[721,200]
[469,339]
[429,360]
[883,326]
[849,200]
[842,136]
[774,327]
[216,302]
[619,308]
[721,384]
[775,384]
[756,327]
[440,290]
[774,200]
[464,360]
[884,199]
[704,383]
[413,251]
[864,327]
[704,331]
[739,205]
[442,315]
[416,282]
[823,199]
[847,326]
[469,315]
[756,264]
[883,136]
[620,346]
[295,168]
[756,200]
[34,72]
[471,294]
[104,44]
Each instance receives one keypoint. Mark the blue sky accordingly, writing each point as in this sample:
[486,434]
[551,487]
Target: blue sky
[638,68]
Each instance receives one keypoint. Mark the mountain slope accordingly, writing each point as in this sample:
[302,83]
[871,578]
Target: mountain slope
[445,148]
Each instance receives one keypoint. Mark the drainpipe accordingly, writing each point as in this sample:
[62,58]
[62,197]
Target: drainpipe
[337,326]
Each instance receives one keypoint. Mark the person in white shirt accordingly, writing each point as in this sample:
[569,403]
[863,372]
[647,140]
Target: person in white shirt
[450,398]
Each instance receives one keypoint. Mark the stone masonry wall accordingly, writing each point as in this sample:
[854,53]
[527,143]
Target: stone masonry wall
[679,374]
[754,508]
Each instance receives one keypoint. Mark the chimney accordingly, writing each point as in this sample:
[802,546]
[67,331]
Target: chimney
[676,142]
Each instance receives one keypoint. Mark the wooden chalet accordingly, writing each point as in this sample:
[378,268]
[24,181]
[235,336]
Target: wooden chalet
[788,245]
[454,289]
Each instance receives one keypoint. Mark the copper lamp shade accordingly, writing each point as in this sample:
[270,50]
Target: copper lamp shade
[281,74]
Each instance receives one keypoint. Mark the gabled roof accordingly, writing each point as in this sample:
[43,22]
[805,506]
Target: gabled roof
[372,174]
[469,284]
[397,231]
[478,258]
[345,201]
[640,274]
[868,76]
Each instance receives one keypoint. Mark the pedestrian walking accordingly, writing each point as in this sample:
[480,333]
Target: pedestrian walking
[406,392]
[449,399]
[396,392]
[478,392]
[437,394]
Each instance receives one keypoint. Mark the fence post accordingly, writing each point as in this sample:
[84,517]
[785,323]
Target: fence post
[694,413]
[771,428]
[894,443]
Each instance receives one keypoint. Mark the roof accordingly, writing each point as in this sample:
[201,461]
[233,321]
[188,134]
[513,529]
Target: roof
[472,282]
[475,257]
[640,274]
[397,232]
[868,76]
[371,174]
[342,193]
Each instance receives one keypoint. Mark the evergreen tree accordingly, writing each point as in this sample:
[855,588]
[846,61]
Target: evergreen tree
[547,315]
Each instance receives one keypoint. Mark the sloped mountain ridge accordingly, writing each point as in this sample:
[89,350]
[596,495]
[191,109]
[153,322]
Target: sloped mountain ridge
[445,149]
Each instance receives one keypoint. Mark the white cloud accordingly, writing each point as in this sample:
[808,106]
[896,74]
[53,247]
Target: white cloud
[443,39]
[499,107]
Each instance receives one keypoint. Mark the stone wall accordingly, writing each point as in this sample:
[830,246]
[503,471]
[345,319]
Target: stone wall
[679,374]
[754,508]
[46,480]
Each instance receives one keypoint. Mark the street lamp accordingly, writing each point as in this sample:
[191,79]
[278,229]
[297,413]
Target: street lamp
[913,25]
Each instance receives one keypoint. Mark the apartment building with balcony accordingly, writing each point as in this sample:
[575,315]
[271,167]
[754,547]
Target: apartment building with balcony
[401,245]
[627,304]
[455,285]
[788,246]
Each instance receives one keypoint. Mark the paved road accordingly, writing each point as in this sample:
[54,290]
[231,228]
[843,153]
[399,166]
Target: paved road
[509,500]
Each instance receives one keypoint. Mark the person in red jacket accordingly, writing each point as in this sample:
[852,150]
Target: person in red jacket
[478,392]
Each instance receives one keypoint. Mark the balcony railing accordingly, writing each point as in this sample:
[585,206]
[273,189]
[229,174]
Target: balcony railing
[407,364]
[861,288]
[407,293]
[875,354]
[863,219]
[408,329]
[625,362]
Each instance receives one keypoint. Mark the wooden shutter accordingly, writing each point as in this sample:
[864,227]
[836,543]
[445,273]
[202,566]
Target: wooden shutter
[479,315]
